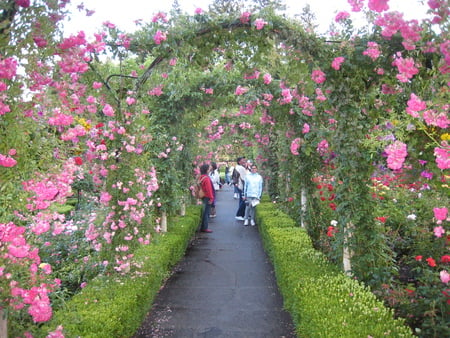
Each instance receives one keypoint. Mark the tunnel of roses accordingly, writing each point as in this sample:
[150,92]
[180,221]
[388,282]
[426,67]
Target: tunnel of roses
[102,137]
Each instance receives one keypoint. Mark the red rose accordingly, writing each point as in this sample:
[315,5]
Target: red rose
[78,160]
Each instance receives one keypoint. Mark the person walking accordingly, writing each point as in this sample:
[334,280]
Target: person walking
[253,188]
[208,199]
[239,180]
[215,179]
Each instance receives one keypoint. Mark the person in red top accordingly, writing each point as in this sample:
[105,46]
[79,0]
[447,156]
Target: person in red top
[208,200]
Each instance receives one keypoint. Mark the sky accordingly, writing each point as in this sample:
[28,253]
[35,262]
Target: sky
[124,13]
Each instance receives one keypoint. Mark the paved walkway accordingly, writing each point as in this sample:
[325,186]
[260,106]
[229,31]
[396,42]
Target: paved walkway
[223,287]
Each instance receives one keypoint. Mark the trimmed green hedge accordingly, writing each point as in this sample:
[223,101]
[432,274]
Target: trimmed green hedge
[323,302]
[115,306]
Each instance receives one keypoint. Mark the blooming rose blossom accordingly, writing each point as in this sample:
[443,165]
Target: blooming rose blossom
[260,23]
[445,276]
[245,17]
[267,78]
[431,262]
[442,156]
[378,5]
[318,76]
[440,214]
[295,145]
[240,90]
[336,64]
[159,37]
[439,231]
[415,105]
[397,153]
[341,16]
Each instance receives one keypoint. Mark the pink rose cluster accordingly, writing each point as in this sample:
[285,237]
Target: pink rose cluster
[396,154]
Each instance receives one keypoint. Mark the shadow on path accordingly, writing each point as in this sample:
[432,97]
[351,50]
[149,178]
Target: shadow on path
[223,287]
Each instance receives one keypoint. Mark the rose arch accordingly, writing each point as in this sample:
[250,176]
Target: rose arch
[101,137]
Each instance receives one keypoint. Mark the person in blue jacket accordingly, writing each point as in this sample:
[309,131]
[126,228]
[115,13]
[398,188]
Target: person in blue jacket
[253,189]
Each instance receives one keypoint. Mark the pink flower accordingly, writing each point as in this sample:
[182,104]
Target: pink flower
[260,23]
[357,5]
[160,16]
[336,64]
[318,76]
[267,78]
[108,110]
[442,157]
[295,145]
[372,51]
[173,62]
[245,17]
[415,105]
[397,153]
[440,213]
[240,90]
[157,91]
[6,161]
[322,147]
[406,68]
[198,11]
[445,276]
[23,3]
[306,128]
[341,16]
[159,37]
[378,5]
[130,100]
[439,231]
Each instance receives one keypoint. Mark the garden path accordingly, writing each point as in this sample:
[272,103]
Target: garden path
[223,287]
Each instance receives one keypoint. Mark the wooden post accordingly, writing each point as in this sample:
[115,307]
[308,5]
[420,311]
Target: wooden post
[183,207]
[303,201]
[347,253]
[163,221]
[3,324]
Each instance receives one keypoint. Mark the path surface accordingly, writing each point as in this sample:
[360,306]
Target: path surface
[223,287]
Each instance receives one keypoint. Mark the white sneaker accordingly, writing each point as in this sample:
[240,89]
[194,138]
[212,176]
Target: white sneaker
[246,222]
[252,222]
[239,218]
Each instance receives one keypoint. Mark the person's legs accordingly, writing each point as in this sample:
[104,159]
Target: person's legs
[205,214]
[251,214]
[241,208]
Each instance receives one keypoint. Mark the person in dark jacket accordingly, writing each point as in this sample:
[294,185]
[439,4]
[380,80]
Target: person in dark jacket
[208,199]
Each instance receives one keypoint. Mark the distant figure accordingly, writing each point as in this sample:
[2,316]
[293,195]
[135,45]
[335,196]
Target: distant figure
[208,200]
[215,179]
[227,174]
[253,188]
[238,179]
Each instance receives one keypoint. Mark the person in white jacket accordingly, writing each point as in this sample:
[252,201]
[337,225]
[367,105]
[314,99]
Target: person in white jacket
[253,188]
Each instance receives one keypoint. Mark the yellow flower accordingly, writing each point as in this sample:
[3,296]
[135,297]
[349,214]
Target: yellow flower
[84,123]
[445,137]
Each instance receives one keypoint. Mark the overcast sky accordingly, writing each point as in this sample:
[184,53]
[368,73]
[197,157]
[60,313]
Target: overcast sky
[124,12]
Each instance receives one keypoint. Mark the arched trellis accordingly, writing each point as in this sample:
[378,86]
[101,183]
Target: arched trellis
[300,44]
